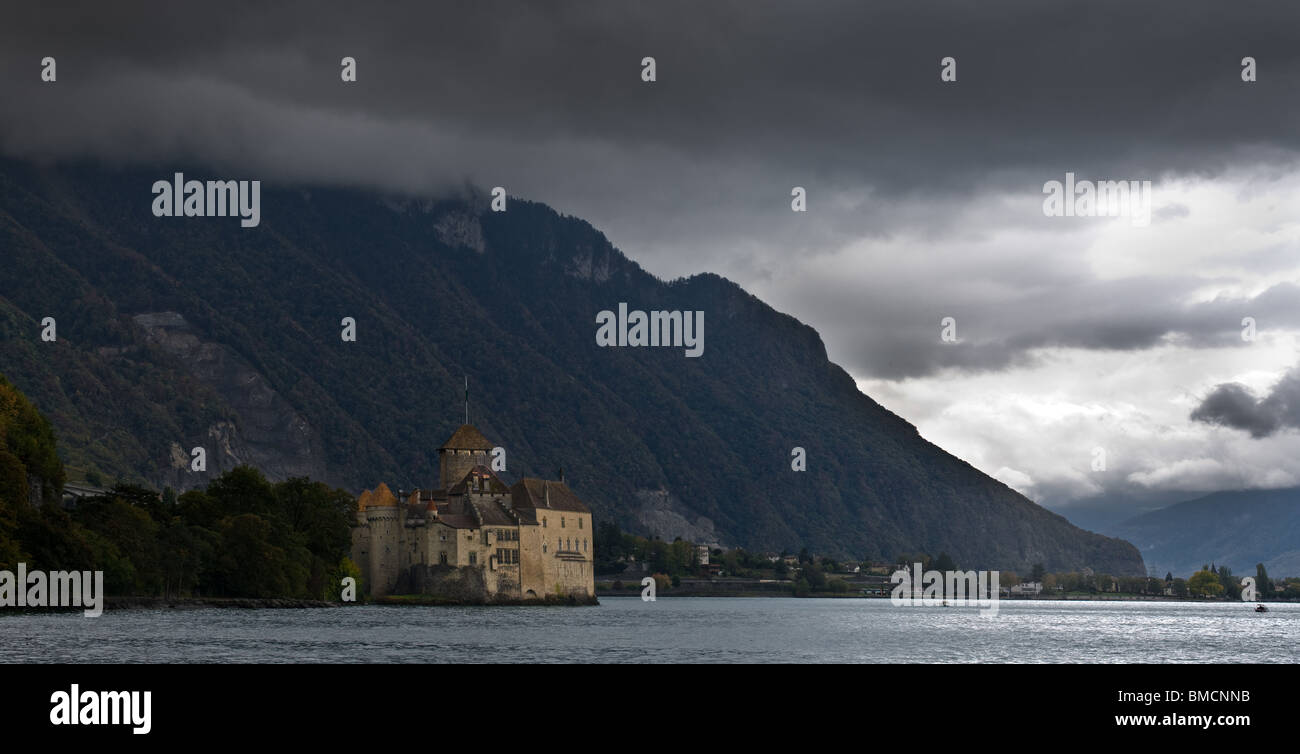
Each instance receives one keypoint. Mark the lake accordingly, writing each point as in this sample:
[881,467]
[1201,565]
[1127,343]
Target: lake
[705,630]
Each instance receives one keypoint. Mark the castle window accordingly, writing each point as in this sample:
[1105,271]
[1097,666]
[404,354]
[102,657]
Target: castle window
[543,548]
[473,558]
[543,522]
[561,522]
[442,558]
[584,544]
[579,522]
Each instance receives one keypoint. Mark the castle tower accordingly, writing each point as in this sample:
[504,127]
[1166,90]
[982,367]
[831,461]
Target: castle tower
[466,449]
[379,508]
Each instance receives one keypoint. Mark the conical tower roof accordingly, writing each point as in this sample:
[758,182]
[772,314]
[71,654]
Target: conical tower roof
[467,438]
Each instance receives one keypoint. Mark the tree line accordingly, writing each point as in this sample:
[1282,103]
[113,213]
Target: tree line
[242,536]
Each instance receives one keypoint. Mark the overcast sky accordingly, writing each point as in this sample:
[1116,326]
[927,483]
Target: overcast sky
[924,197]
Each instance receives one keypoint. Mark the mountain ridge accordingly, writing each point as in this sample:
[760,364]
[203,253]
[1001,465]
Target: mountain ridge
[1236,528]
[440,290]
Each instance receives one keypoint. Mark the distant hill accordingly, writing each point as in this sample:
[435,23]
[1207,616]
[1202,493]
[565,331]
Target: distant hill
[183,332]
[1238,529]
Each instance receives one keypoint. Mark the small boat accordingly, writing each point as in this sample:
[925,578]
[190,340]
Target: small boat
[1261,609]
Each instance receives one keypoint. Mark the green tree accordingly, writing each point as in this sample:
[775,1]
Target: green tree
[250,564]
[1231,585]
[813,575]
[1205,583]
[1263,584]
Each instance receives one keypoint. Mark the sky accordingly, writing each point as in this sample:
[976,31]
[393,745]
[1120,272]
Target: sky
[1098,361]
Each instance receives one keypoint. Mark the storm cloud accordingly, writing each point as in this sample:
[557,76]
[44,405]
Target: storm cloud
[693,172]
[1236,406]
[924,197]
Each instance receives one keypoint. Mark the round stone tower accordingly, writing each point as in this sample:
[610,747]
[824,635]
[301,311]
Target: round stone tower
[381,517]
[466,449]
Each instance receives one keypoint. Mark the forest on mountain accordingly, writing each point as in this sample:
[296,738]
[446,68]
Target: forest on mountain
[177,333]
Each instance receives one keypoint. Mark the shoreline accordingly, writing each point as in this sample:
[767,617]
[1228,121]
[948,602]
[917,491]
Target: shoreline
[758,594]
[251,603]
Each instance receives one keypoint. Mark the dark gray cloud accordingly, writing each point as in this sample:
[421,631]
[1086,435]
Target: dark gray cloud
[826,93]
[997,332]
[924,197]
[1234,405]
[693,172]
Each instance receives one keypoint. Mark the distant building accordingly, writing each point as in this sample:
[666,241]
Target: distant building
[474,538]
[702,554]
[75,491]
[1028,588]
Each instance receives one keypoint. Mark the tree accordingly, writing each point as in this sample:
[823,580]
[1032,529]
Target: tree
[1263,585]
[250,564]
[1037,573]
[1205,583]
[1231,585]
[814,577]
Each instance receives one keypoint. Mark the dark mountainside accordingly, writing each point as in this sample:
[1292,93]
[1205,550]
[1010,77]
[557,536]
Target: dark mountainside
[1237,528]
[181,332]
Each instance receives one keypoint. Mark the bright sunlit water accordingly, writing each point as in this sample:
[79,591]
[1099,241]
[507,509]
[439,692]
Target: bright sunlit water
[625,629]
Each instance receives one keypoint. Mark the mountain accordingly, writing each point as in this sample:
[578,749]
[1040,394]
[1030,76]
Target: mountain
[1104,513]
[1237,528]
[175,333]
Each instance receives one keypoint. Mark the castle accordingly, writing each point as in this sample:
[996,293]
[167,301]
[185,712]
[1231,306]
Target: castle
[475,539]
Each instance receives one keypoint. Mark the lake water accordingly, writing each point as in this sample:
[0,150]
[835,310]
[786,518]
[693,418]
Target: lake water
[711,630]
